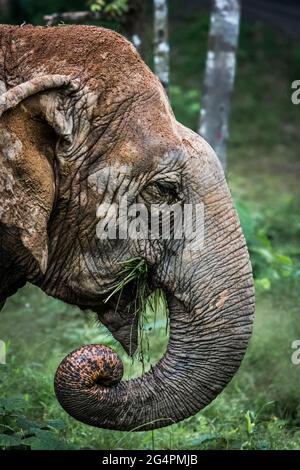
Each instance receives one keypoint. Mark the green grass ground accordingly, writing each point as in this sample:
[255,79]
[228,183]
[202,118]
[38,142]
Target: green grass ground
[260,409]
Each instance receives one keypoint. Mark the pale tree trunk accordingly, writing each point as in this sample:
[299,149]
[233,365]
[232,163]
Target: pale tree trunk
[161,42]
[219,75]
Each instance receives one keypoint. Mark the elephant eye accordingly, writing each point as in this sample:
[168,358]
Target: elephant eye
[161,192]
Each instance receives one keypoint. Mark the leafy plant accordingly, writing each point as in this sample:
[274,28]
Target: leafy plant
[186,104]
[112,8]
[250,422]
[19,432]
[269,264]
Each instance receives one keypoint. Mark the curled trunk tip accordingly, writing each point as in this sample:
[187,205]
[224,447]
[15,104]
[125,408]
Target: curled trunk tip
[90,367]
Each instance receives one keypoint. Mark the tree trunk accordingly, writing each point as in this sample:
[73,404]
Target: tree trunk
[5,8]
[219,75]
[161,42]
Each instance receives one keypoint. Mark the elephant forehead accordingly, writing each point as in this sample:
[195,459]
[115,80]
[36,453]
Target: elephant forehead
[148,137]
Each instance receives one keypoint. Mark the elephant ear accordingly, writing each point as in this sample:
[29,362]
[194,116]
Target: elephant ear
[31,122]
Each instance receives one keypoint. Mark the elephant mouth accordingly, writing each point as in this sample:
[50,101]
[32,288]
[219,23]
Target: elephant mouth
[122,314]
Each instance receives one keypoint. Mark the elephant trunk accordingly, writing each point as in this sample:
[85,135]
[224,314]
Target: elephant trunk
[206,345]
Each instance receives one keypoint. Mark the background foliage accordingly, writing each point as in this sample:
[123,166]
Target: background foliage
[260,408]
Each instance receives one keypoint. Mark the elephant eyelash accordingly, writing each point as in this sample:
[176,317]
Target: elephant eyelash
[162,191]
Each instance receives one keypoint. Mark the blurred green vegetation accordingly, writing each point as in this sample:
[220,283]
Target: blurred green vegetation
[115,8]
[260,408]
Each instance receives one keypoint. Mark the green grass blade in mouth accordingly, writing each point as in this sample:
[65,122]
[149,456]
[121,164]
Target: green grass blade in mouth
[134,269]
[145,303]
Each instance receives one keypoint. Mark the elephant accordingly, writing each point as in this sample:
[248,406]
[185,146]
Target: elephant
[83,122]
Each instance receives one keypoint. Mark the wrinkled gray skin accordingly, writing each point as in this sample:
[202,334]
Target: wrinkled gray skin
[88,123]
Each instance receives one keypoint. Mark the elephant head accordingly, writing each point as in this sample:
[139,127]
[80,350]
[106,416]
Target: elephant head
[84,124]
